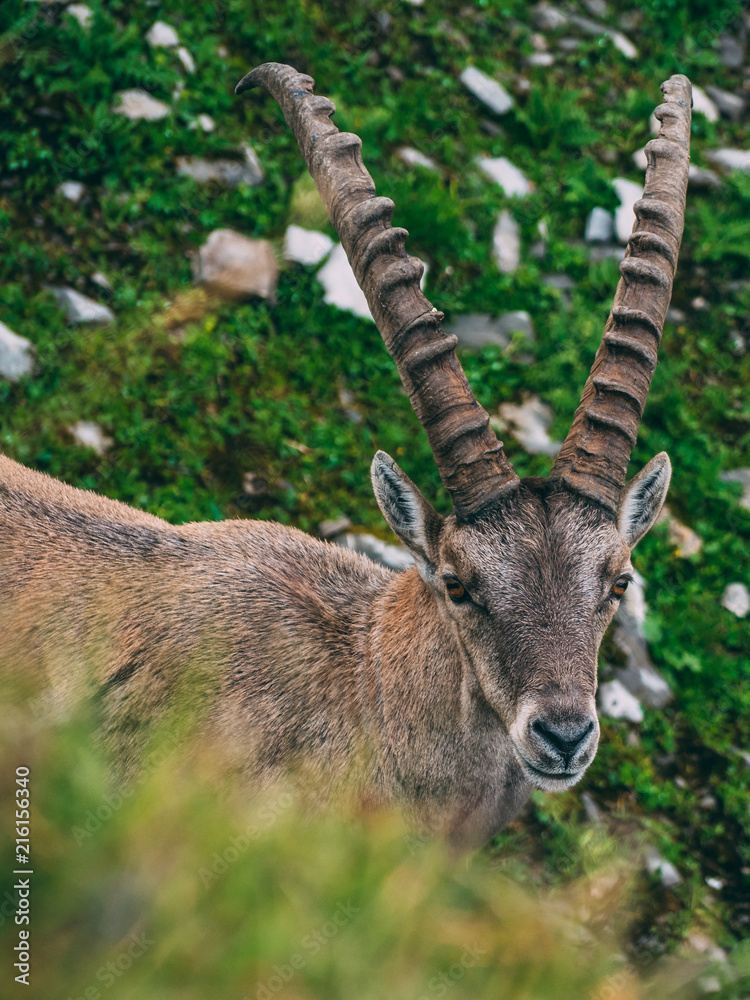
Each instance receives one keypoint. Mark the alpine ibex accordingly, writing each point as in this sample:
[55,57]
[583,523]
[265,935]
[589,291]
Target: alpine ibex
[456,687]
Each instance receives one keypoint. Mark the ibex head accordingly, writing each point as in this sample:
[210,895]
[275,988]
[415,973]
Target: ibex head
[528,573]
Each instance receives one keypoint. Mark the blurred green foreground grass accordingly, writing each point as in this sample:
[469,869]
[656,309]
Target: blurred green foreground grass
[166,887]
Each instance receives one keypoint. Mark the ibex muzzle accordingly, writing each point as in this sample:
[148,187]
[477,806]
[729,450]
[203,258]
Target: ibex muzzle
[456,687]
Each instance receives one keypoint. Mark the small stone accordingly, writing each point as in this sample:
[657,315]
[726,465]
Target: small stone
[101,280]
[72,190]
[640,159]
[675,315]
[731,51]
[736,598]
[703,104]
[336,526]
[162,35]
[629,193]
[540,59]
[82,13]
[548,18]
[538,42]
[730,105]
[658,865]
[204,122]
[229,172]
[715,883]
[186,59]
[504,173]
[686,542]
[700,303]
[599,226]
[235,267]
[477,330]
[529,424]
[254,485]
[90,435]
[568,44]
[80,308]
[306,246]
[222,52]
[700,177]
[741,476]
[730,159]
[562,282]
[340,284]
[596,7]
[590,808]
[137,104]
[16,355]
[620,42]
[618,703]
[252,163]
[487,90]
[395,557]
[737,343]
[413,158]
[506,243]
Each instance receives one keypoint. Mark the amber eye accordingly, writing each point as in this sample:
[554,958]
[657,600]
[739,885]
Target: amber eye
[456,590]
[620,586]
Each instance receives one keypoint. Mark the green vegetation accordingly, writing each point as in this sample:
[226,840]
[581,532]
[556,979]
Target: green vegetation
[194,394]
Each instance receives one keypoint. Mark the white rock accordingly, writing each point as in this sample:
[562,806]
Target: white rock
[162,35]
[413,158]
[658,865]
[699,177]
[686,542]
[730,105]
[529,424]
[540,59]
[101,280]
[186,59]
[72,190]
[229,172]
[393,556]
[703,104]
[252,163]
[487,90]
[136,104]
[477,330]
[616,702]
[306,246]
[82,13]
[621,43]
[80,308]
[628,192]
[235,267]
[204,122]
[640,159]
[506,243]
[741,476]
[16,354]
[736,598]
[504,173]
[730,159]
[90,435]
[341,288]
[547,17]
[599,226]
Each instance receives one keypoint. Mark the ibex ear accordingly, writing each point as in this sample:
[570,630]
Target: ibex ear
[642,499]
[414,520]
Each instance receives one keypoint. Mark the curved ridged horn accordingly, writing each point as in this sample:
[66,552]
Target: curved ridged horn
[594,458]
[469,457]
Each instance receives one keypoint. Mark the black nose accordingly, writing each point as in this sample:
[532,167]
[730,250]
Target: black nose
[563,739]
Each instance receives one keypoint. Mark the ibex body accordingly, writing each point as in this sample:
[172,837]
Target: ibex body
[453,688]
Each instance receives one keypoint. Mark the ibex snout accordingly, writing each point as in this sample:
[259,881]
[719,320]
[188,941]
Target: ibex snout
[556,743]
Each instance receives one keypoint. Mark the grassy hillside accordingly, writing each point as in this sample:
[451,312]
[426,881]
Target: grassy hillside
[194,394]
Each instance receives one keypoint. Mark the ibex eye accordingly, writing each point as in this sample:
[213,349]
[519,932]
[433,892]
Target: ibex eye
[620,586]
[456,590]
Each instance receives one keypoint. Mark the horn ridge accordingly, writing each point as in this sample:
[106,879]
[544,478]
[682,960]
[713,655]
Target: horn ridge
[469,457]
[594,458]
